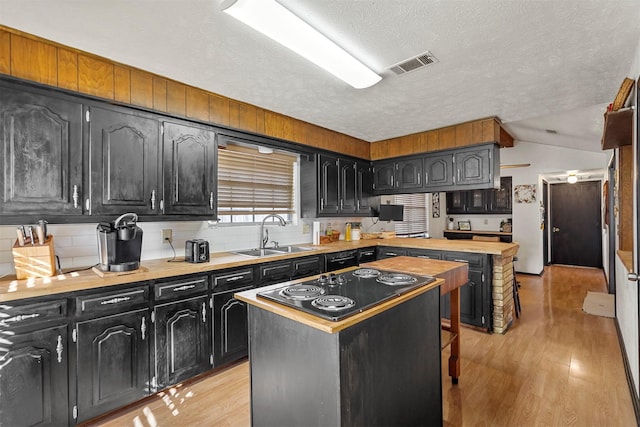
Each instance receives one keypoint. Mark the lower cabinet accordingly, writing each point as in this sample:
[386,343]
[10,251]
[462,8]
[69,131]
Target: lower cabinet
[113,362]
[390,252]
[112,335]
[230,333]
[33,379]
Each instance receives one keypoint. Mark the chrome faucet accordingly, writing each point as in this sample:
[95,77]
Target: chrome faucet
[265,239]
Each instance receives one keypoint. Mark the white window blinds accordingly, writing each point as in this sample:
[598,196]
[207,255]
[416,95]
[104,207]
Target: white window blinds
[416,213]
[253,183]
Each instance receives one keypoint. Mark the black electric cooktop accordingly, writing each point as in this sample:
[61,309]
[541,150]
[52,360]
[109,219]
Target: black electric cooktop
[337,296]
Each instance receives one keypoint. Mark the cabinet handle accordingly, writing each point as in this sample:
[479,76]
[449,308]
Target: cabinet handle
[183,288]
[392,180]
[392,254]
[59,348]
[358,204]
[153,199]
[204,312]
[75,196]
[87,204]
[419,176]
[426,177]
[341,203]
[143,327]
[461,260]
[115,300]
[20,318]
[211,200]
[321,203]
[458,175]
[235,278]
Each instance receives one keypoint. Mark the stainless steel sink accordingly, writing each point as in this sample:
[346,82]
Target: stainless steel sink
[258,252]
[291,249]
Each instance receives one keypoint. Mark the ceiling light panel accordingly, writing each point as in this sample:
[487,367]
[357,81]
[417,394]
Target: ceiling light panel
[275,21]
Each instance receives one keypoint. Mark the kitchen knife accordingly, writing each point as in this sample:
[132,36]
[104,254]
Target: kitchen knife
[30,229]
[20,236]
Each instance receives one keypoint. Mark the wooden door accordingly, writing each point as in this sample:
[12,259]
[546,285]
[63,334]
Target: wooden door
[124,163]
[182,340]
[33,379]
[364,188]
[113,362]
[190,182]
[329,202]
[438,171]
[409,174]
[576,228]
[347,187]
[230,327]
[41,155]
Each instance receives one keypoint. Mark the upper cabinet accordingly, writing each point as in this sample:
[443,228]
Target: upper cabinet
[125,170]
[190,182]
[487,201]
[335,186]
[472,167]
[42,153]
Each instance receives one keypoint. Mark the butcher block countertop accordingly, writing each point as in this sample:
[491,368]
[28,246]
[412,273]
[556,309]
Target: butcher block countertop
[12,289]
[328,326]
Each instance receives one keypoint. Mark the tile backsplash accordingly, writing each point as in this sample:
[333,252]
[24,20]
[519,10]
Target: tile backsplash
[76,245]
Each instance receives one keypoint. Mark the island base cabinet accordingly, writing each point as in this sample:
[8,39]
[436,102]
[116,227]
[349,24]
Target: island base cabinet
[33,379]
[182,346]
[113,362]
[385,370]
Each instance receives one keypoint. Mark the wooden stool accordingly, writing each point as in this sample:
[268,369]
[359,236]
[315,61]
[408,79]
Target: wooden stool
[516,295]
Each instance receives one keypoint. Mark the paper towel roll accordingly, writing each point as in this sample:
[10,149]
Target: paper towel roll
[316,232]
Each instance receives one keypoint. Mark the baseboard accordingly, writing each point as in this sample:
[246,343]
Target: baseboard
[627,369]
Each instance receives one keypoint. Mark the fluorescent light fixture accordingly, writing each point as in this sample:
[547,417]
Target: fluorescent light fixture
[572,178]
[274,21]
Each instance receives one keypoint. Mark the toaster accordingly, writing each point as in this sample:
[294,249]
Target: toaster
[196,250]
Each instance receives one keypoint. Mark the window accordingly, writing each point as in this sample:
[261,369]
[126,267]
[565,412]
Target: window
[252,185]
[416,213]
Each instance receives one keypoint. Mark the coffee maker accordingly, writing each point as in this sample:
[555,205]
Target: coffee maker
[120,244]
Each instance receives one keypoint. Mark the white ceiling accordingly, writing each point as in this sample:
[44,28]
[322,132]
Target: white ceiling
[536,64]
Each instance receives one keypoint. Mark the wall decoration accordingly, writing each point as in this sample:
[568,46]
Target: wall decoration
[525,193]
[435,205]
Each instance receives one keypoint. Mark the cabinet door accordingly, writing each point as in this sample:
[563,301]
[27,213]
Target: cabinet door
[41,154]
[384,176]
[501,199]
[390,252]
[190,182]
[124,163]
[473,167]
[348,187]
[34,380]
[478,201]
[113,362]
[472,294]
[364,188]
[438,171]
[409,174]
[230,333]
[329,193]
[182,347]
[456,202]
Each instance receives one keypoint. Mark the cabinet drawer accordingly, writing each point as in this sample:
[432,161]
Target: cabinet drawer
[474,260]
[18,316]
[117,301]
[424,253]
[233,279]
[306,267]
[275,272]
[366,255]
[180,288]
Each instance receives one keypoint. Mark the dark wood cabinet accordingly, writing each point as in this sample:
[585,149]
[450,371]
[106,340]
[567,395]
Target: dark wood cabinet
[42,153]
[306,266]
[190,181]
[182,327]
[475,296]
[348,187]
[33,380]
[482,201]
[113,362]
[438,171]
[364,188]
[329,193]
[366,255]
[409,174]
[384,177]
[473,166]
[390,252]
[125,172]
[230,333]
[274,272]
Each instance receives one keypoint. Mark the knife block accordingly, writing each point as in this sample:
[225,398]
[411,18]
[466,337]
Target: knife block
[34,261]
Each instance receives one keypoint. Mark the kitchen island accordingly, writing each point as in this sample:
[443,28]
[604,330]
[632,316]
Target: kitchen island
[381,366]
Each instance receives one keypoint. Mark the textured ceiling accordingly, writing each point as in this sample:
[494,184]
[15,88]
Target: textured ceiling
[536,64]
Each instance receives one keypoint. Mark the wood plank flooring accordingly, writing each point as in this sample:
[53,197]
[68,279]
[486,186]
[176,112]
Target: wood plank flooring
[556,366]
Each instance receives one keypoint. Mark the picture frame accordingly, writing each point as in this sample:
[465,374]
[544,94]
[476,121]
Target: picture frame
[464,225]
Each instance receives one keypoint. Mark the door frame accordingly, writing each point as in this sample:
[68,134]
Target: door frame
[611,232]
[546,254]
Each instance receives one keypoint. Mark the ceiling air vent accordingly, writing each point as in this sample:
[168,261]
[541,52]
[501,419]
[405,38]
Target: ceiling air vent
[414,63]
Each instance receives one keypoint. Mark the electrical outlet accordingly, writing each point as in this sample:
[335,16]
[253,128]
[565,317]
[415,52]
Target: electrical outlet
[306,229]
[486,222]
[167,235]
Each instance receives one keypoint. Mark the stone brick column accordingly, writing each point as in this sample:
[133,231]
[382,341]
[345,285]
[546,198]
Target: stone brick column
[502,293]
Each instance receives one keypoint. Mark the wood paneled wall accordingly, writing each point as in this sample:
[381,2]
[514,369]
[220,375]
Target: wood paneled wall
[32,58]
[464,134]
[625,198]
